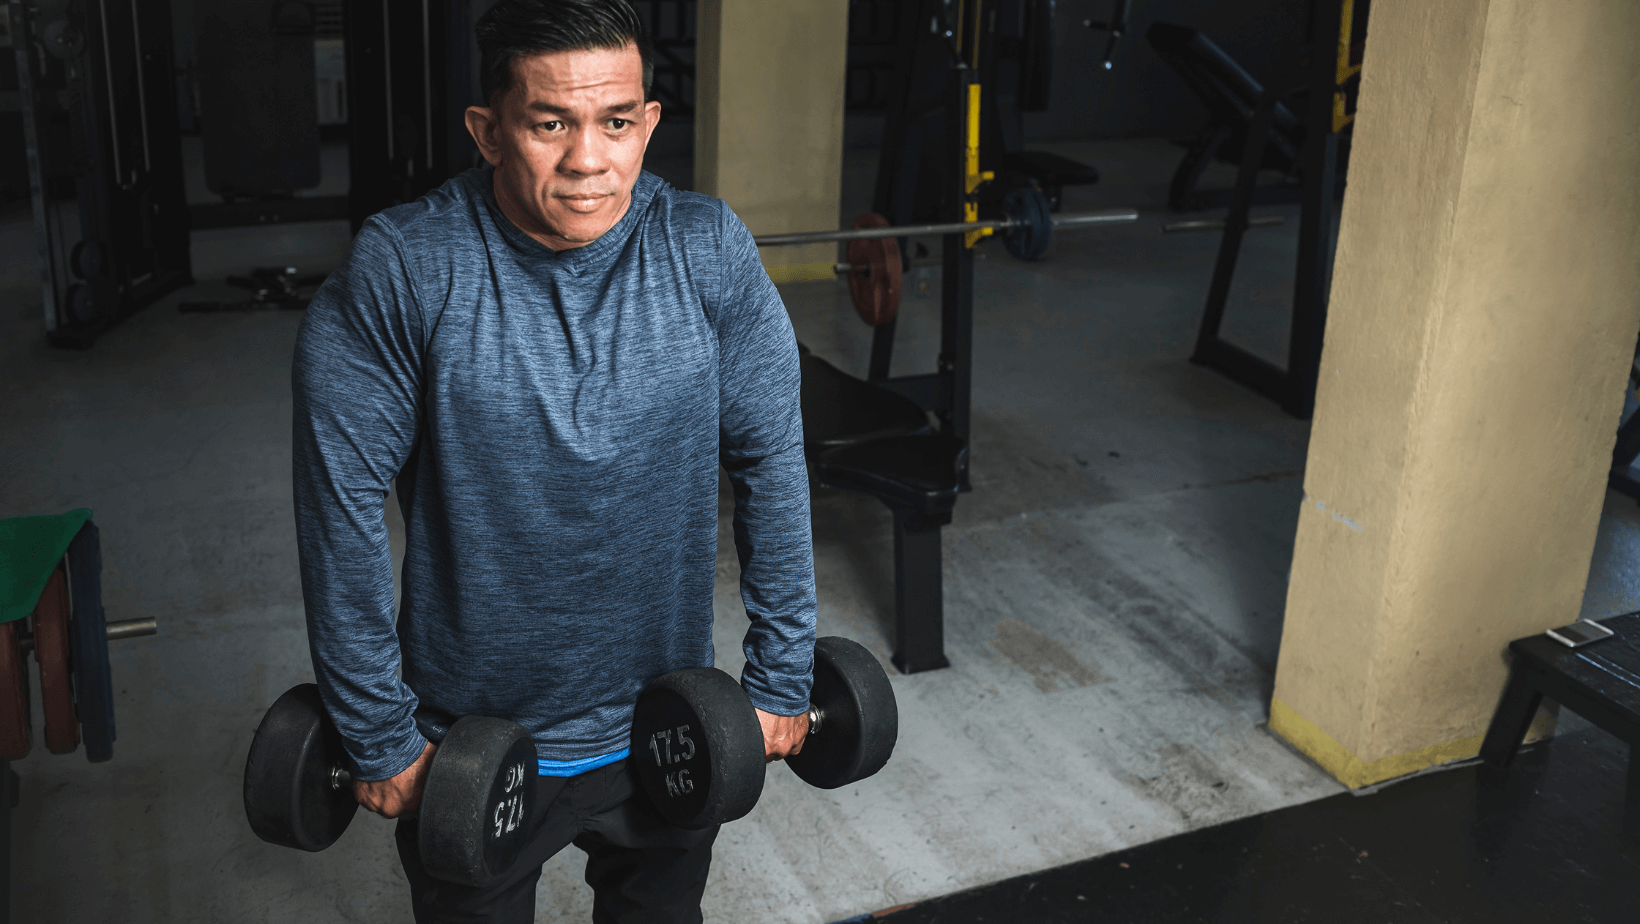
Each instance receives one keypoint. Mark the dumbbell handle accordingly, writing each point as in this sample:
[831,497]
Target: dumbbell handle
[339,777]
[433,725]
[125,628]
[1001,225]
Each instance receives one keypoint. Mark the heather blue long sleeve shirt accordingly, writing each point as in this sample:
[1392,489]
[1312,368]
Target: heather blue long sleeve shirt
[554,423]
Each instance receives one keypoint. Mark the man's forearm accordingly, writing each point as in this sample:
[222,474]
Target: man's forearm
[773,539]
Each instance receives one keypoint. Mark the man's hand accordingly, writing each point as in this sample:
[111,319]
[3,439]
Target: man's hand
[782,734]
[396,795]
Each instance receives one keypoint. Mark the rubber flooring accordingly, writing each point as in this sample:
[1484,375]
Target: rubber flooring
[1542,842]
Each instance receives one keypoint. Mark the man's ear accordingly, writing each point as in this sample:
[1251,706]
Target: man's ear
[484,124]
[652,118]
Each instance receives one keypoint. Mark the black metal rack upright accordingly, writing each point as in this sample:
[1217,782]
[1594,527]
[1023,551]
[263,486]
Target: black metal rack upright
[409,83]
[98,98]
[1293,387]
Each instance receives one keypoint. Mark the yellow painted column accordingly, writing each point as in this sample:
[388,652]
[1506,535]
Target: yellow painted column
[769,120]
[1484,308]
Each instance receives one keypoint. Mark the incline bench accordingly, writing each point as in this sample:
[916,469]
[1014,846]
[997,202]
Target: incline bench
[1599,681]
[1230,95]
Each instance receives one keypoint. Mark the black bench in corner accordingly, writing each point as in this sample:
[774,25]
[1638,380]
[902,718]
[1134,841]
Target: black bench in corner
[863,437]
[1599,681]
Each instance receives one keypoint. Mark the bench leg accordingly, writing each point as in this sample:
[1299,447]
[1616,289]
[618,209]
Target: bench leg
[919,608]
[1515,711]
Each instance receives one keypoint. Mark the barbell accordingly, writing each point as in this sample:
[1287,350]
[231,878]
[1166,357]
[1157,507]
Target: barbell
[1026,229]
[1000,226]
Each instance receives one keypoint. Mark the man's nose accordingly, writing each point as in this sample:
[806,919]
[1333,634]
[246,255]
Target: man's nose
[587,154]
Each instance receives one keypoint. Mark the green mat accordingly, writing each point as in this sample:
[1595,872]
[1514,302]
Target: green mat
[30,548]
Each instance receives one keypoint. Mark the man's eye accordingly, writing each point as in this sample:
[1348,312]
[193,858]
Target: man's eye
[550,126]
[618,123]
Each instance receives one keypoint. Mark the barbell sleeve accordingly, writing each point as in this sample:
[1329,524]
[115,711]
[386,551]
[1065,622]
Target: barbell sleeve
[1002,225]
[125,628]
[132,628]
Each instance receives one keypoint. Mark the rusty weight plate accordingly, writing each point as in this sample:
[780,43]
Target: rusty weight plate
[874,281]
[51,616]
[14,716]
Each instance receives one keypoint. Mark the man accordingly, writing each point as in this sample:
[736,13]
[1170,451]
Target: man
[550,357]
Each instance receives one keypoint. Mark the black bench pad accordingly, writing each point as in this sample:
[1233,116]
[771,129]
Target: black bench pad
[841,410]
[917,473]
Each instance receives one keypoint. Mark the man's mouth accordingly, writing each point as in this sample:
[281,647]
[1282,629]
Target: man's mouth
[583,202]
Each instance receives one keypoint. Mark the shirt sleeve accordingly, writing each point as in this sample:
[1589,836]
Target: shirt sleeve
[356,385]
[760,431]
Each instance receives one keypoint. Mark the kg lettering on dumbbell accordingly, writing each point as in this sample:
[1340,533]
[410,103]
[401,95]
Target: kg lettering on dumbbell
[697,747]
[475,805]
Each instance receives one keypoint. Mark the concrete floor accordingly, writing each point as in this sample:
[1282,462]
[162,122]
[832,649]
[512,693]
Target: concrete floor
[1114,588]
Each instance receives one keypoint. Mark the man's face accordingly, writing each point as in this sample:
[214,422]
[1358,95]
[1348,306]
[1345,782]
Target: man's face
[567,141]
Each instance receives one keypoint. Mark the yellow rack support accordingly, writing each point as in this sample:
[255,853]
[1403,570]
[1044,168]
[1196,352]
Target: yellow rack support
[974,178]
[1346,25]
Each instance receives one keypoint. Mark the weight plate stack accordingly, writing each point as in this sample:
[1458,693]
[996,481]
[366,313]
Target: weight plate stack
[88,645]
[478,804]
[289,799]
[15,731]
[861,720]
[1032,218]
[51,619]
[698,773]
[874,281]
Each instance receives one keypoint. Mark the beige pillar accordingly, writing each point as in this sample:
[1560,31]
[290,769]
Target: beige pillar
[769,120]
[1484,308]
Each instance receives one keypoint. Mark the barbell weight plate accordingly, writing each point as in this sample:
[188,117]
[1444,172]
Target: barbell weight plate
[1031,217]
[861,720]
[86,259]
[88,645]
[874,282]
[289,799]
[62,39]
[478,804]
[15,733]
[697,748]
[62,731]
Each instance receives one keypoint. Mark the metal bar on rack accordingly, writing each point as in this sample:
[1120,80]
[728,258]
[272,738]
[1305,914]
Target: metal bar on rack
[1001,225]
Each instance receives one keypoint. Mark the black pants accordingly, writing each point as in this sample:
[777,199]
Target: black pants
[640,868]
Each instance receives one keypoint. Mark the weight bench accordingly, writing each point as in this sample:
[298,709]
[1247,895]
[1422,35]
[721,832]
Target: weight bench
[1051,172]
[1230,95]
[1600,682]
[863,437]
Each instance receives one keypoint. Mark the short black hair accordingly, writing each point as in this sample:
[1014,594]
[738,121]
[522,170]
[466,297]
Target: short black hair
[513,28]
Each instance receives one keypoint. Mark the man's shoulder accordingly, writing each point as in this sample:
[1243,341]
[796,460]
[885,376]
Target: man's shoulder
[681,211]
[454,204]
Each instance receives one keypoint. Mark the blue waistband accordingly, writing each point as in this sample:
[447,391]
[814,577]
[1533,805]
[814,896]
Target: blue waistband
[576,767]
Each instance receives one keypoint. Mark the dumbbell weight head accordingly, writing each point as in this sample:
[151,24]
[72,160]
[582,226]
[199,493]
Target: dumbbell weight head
[479,800]
[290,794]
[697,748]
[859,720]
[1030,220]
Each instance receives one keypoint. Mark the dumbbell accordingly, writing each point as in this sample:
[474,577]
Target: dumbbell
[697,746]
[476,802]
